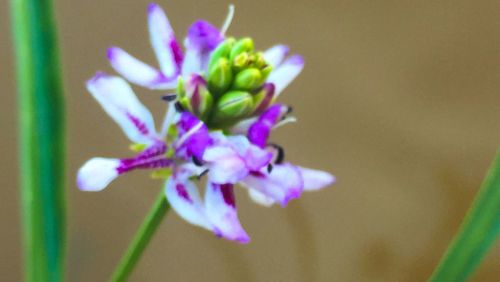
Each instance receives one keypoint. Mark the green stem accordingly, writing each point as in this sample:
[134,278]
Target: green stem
[142,238]
[41,137]
[478,231]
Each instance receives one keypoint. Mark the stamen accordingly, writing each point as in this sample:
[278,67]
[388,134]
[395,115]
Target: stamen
[229,19]
[280,157]
[289,109]
[196,161]
[202,174]
[269,168]
[169,97]
[179,107]
[285,121]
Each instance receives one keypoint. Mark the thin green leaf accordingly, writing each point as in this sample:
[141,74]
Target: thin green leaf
[41,147]
[478,232]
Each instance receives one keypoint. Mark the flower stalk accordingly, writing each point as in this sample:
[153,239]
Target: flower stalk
[42,143]
[141,239]
[479,230]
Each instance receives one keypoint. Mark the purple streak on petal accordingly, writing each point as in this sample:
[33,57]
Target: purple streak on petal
[138,124]
[228,194]
[204,36]
[181,190]
[127,165]
[196,144]
[259,132]
[177,53]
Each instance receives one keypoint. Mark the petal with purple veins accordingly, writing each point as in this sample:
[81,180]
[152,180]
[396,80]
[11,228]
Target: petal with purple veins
[183,196]
[138,72]
[119,101]
[167,49]
[286,73]
[221,210]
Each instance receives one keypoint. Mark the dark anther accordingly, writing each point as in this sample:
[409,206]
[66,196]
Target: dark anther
[289,109]
[196,161]
[202,174]
[280,157]
[179,107]
[269,168]
[169,97]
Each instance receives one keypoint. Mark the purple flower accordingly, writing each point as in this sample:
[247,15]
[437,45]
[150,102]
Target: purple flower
[217,125]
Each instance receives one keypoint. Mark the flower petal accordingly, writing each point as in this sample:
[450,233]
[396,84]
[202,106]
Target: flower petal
[255,158]
[282,184]
[194,137]
[119,101]
[202,38]
[258,133]
[315,179]
[286,73]
[276,54]
[167,49]
[260,198]
[221,210]
[183,196]
[225,165]
[138,72]
[97,173]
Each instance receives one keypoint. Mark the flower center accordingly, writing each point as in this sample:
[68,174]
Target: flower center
[233,88]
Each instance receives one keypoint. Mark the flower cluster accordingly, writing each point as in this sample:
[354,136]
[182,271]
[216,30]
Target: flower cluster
[220,114]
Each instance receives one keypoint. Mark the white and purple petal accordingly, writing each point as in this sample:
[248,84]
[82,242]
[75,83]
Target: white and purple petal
[282,184]
[224,164]
[258,133]
[138,72]
[183,196]
[315,179]
[260,198]
[167,50]
[120,102]
[202,39]
[286,73]
[193,137]
[221,210]
[97,173]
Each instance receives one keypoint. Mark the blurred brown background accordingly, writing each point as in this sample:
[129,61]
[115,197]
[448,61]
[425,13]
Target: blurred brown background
[399,99]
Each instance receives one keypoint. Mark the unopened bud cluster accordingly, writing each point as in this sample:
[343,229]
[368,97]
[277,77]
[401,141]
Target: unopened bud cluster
[233,88]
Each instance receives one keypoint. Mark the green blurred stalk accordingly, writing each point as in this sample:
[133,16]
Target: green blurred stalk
[142,238]
[42,143]
[479,230]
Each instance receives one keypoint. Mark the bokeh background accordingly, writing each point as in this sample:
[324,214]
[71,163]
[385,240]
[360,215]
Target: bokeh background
[399,99]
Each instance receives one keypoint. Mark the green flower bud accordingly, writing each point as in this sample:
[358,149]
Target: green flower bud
[242,45]
[241,61]
[222,51]
[220,77]
[259,61]
[197,98]
[232,105]
[248,79]
[266,71]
